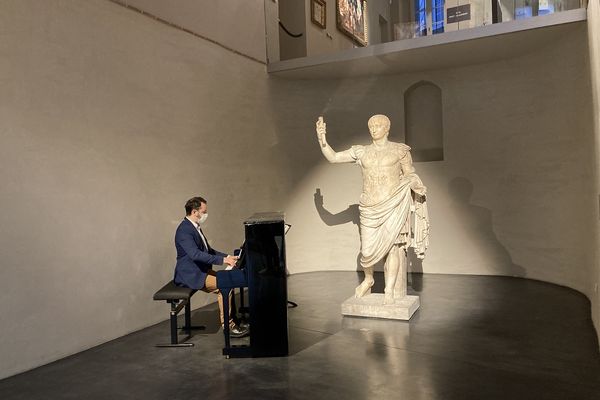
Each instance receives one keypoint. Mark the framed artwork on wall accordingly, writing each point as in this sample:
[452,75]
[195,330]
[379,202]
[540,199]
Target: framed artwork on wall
[318,13]
[351,17]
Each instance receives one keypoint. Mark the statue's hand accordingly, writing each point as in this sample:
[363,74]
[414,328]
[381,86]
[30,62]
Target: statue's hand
[417,186]
[321,131]
[420,190]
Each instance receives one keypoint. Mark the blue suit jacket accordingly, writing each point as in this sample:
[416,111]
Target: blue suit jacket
[193,259]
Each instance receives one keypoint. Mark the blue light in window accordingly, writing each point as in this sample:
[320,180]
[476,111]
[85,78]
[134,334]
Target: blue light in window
[438,16]
[421,17]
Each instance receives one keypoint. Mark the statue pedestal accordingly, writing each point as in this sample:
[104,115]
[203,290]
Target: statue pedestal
[371,306]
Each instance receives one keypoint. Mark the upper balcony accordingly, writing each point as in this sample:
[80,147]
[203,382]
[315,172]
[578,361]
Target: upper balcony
[456,33]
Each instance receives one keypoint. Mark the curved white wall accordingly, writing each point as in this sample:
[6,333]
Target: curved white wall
[238,25]
[112,120]
[594,45]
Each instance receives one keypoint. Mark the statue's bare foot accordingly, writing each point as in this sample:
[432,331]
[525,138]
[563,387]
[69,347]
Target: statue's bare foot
[364,287]
[388,299]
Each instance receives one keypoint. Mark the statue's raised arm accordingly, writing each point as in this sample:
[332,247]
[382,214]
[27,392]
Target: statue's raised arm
[331,155]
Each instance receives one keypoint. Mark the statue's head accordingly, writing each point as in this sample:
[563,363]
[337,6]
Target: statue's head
[379,126]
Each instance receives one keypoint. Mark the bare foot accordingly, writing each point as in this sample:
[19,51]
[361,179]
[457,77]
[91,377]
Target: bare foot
[364,288]
[388,299]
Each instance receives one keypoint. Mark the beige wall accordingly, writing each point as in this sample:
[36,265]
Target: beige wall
[236,24]
[375,9]
[318,41]
[292,16]
[594,45]
[272,31]
[328,40]
[111,121]
[332,40]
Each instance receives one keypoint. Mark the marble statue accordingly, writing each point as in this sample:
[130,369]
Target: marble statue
[393,211]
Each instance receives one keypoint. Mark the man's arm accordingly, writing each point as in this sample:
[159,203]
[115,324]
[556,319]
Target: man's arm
[227,259]
[215,252]
[331,155]
[187,243]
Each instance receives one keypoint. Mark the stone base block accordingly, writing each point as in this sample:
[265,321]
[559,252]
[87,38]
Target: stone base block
[371,306]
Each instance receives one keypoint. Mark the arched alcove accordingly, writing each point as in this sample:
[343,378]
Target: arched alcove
[423,121]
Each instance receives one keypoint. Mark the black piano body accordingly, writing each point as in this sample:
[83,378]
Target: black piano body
[263,272]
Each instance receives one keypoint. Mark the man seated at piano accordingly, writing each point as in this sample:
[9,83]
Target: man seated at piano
[195,258]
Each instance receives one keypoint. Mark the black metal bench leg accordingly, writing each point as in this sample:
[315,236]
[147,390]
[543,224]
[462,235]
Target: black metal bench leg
[188,317]
[173,325]
[173,321]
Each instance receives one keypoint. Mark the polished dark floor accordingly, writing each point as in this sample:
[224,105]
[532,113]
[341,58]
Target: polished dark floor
[474,337]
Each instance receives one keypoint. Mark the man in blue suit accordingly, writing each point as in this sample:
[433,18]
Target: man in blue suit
[195,257]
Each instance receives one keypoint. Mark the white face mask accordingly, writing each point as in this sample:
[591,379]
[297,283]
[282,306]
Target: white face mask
[203,218]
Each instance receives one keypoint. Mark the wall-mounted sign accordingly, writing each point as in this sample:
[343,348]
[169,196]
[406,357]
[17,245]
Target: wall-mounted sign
[457,14]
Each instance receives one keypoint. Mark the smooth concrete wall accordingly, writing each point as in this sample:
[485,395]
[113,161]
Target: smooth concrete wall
[238,25]
[512,196]
[272,31]
[594,46]
[110,122]
[292,16]
[375,10]
[317,40]
[328,40]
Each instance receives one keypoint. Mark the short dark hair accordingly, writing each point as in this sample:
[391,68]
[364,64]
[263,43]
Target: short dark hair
[193,204]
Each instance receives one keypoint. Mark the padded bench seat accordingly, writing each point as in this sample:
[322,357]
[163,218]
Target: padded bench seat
[173,292]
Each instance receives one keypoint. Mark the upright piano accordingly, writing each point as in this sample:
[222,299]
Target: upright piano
[262,270]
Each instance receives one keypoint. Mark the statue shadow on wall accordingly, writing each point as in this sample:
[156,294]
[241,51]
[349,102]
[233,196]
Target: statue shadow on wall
[477,223]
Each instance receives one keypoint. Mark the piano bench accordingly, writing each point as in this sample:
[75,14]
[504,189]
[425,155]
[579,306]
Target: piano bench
[178,297]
